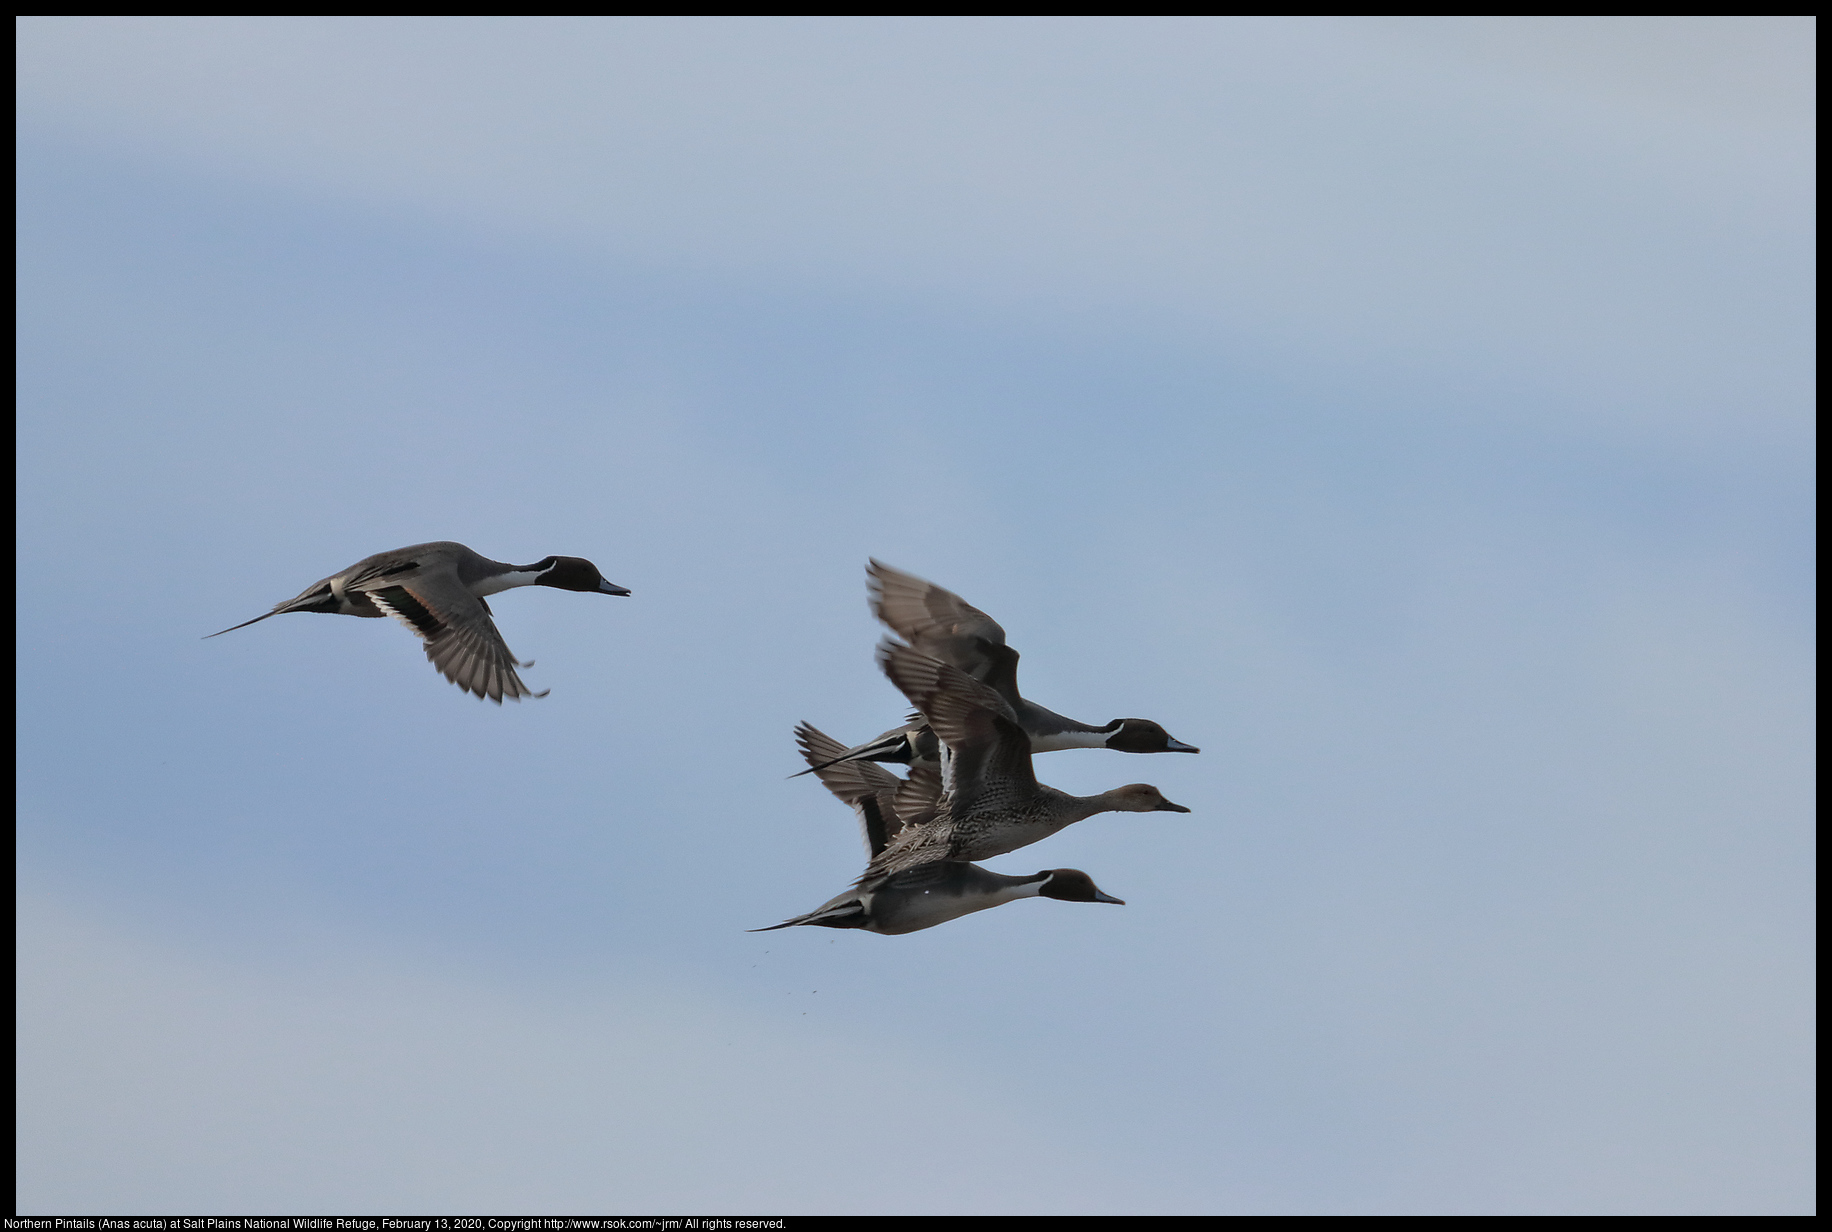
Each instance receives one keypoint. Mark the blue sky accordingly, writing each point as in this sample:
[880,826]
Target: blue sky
[1414,413]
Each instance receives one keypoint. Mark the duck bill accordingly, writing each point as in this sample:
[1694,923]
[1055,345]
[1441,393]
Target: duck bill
[1177,746]
[1168,807]
[1108,898]
[612,588]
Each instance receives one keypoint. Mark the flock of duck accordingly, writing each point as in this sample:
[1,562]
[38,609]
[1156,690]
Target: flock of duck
[970,793]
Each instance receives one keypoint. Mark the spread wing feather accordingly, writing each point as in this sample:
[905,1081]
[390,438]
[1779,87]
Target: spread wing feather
[971,718]
[918,797]
[884,803]
[943,626]
[461,639]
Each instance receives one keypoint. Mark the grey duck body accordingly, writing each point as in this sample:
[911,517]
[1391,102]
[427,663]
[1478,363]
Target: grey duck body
[438,591]
[929,894]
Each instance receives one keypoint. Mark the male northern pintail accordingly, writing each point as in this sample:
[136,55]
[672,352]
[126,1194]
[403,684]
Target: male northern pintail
[945,627]
[437,590]
[930,894]
[992,802]
[910,899]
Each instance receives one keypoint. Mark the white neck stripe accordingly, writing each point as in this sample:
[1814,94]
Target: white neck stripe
[509,581]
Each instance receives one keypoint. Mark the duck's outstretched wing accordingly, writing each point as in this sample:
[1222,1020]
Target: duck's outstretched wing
[460,635]
[871,791]
[990,753]
[944,626]
[919,796]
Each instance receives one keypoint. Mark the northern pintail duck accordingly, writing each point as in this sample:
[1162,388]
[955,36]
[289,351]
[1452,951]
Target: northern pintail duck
[992,802]
[930,894]
[437,590]
[911,899]
[945,627]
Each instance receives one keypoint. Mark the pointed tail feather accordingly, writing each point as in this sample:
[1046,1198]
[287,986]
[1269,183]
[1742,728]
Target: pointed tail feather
[894,748]
[232,628]
[847,914]
[318,599]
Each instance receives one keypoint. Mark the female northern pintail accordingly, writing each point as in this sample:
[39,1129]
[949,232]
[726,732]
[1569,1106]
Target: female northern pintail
[945,627]
[992,802]
[911,899]
[437,590]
